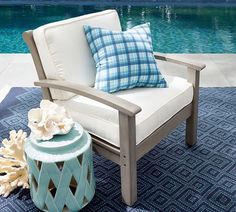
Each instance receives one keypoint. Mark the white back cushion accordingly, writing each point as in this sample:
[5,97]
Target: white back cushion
[64,51]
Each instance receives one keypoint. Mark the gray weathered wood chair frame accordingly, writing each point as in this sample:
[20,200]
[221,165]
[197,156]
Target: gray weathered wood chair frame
[129,153]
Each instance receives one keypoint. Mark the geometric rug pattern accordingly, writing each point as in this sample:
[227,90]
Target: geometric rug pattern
[172,177]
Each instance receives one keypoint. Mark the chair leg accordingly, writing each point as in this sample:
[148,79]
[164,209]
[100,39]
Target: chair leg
[129,182]
[128,164]
[192,121]
[191,130]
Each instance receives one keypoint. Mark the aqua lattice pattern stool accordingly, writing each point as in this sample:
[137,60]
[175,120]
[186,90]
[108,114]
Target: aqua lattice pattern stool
[61,171]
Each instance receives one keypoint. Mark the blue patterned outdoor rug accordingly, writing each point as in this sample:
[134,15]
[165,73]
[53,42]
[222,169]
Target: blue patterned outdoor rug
[172,177]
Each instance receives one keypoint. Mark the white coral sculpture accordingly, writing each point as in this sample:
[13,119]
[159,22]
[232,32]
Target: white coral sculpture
[49,120]
[13,166]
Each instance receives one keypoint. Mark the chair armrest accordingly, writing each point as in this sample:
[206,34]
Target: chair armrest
[180,61]
[113,101]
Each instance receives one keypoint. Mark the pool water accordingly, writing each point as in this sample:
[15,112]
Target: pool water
[174,29]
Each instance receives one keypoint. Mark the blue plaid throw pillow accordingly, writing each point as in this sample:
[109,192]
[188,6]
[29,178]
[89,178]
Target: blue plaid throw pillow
[124,60]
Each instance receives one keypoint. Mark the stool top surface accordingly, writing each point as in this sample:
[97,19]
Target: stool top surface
[60,147]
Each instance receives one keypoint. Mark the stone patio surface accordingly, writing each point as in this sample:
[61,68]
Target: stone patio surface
[17,70]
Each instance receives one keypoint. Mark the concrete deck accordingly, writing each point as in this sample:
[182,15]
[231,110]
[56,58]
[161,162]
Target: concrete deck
[18,70]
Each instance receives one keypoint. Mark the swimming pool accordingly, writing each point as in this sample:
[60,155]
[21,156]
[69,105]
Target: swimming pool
[174,29]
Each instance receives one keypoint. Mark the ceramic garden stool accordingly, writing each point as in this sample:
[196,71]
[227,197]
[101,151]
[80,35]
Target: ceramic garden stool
[61,171]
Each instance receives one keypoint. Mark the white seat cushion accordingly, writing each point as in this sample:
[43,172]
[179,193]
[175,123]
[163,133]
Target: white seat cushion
[64,51]
[158,105]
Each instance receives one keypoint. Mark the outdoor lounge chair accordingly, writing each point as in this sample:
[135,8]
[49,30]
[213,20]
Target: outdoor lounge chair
[125,125]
